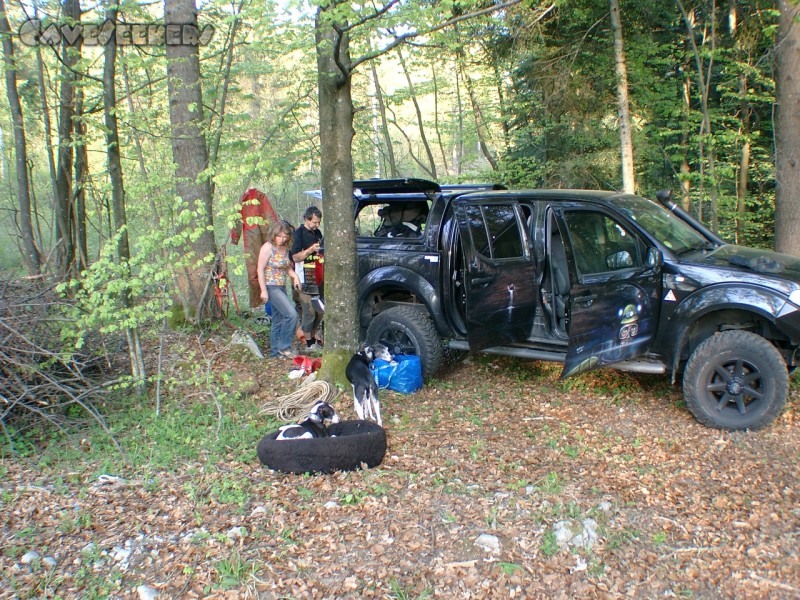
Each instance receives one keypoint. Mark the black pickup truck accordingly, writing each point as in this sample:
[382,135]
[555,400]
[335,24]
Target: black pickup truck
[586,278]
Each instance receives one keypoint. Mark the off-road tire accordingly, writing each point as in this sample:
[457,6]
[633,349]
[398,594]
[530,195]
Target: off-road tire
[352,445]
[408,330]
[735,380]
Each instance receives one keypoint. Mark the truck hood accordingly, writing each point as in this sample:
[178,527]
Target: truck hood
[755,260]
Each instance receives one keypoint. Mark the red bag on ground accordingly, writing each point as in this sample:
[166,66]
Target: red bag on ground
[308,364]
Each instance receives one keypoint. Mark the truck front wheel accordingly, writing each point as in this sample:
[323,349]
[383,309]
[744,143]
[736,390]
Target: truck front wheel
[735,380]
[408,330]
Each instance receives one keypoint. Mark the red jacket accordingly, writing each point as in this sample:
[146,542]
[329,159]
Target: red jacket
[254,204]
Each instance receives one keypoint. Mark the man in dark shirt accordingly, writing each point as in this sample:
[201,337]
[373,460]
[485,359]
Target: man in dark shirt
[305,254]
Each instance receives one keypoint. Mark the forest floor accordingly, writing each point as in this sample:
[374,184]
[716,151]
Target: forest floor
[500,481]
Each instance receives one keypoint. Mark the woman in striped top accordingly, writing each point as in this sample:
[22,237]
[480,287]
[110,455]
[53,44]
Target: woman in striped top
[274,265]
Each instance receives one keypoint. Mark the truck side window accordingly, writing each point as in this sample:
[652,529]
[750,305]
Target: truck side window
[495,231]
[600,244]
[396,219]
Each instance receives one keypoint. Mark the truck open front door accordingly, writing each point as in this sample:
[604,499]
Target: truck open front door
[615,292]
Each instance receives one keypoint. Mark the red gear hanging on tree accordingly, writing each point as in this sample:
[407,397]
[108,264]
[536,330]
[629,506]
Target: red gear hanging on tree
[222,285]
[257,217]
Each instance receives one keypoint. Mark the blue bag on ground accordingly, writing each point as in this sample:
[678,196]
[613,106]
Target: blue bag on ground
[403,375]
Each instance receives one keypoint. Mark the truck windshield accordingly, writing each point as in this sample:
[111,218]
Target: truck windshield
[672,231]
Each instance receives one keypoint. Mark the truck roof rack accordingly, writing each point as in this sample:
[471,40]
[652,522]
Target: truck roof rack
[366,187]
[465,188]
[410,186]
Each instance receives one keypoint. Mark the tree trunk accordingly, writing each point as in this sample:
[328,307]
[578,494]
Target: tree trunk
[706,151]
[387,138]
[421,162]
[30,253]
[623,102]
[64,223]
[48,127]
[420,123]
[501,103]
[334,82]
[686,169]
[744,164]
[478,114]
[137,139]
[787,130]
[114,164]
[190,156]
[336,136]
[458,143]
[436,125]
[80,184]
[223,96]
[377,134]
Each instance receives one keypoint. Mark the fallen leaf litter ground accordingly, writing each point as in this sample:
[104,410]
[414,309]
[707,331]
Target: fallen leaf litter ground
[494,446]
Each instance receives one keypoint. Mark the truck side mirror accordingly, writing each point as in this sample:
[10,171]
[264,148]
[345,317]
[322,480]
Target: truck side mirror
[654,258]
[619,260]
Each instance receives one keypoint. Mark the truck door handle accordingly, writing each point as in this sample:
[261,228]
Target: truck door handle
[481,281]
[586,300]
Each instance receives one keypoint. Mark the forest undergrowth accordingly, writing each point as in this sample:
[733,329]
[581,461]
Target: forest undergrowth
[487,467]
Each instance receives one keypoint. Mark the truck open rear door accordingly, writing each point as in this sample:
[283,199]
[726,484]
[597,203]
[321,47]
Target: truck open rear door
[500,271]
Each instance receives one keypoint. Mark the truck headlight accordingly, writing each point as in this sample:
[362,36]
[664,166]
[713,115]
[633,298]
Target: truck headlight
[794,297]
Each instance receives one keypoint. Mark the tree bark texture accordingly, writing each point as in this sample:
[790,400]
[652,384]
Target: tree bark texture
[480,130]
[686,169]
[80,184]
[118,209]
[436,124]
[190,155]
[623,102]
[336,137]
[64,221]
[744,164]
[384,122]
[30,255]
[746,112]
[420,121]
[48,127]
[787,130]
[226,80]
[458,143]
[703,75]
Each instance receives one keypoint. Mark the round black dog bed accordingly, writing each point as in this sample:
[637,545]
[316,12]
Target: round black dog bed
[355,442]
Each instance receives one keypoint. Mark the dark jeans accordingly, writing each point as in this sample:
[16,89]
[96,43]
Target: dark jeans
[310,318]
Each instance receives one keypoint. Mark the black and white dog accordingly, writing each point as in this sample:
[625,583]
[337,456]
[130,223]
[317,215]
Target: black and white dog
[313,425]
[365,390]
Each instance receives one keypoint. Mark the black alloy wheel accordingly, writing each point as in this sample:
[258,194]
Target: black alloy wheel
[736,380]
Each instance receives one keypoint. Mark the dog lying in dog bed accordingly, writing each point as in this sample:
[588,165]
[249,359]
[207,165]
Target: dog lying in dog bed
[350,443]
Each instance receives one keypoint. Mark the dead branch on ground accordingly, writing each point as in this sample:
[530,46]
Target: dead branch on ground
[40,379]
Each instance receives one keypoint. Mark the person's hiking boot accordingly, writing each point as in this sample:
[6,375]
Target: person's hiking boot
[314,346]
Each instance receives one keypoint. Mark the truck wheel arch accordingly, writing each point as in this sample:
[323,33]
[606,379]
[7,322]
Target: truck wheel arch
[398,285]
[717,309]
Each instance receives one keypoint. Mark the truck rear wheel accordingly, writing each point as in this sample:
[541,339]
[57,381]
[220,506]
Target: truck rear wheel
[408,330]
[735,380]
